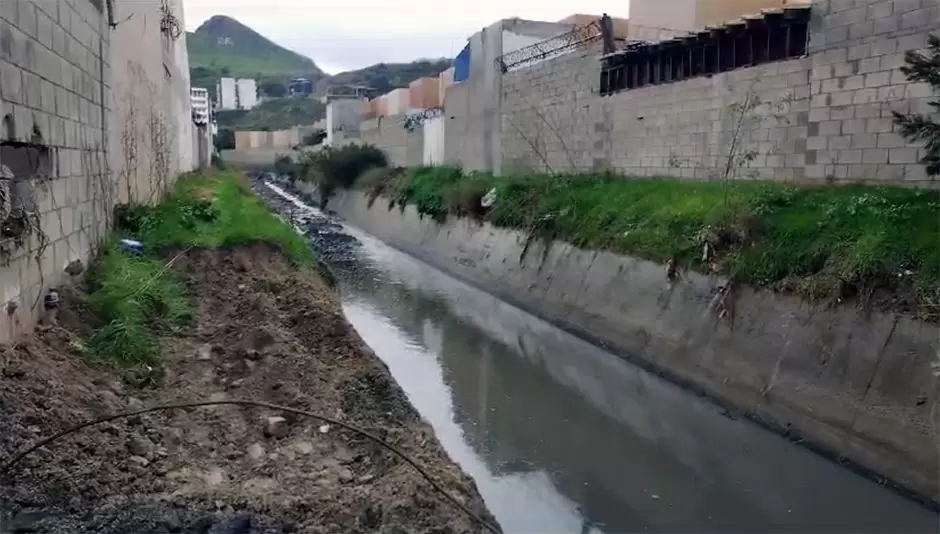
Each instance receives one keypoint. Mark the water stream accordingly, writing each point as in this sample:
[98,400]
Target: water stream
[564,437]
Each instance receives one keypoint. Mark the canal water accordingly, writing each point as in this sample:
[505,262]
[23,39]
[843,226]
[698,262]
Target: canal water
[564,437]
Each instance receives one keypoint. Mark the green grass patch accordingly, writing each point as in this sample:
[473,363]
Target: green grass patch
[138,298]
[820,242]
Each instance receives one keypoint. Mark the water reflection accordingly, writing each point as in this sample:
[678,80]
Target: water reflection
[564,437]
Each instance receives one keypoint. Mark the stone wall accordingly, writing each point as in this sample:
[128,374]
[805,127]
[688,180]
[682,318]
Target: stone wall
[853,385]
[824,117]
[55,190]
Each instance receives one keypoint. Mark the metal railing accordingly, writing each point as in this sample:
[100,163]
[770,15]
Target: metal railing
[550,47]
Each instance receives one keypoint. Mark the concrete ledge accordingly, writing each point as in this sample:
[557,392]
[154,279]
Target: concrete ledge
[859,389]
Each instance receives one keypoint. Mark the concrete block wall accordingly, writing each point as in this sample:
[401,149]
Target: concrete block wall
[54,86]
[403,148]
[823,118]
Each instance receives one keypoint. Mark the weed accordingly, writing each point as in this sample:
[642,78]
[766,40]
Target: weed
[138,298]
[825,243]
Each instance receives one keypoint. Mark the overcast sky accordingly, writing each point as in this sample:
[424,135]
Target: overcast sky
[344,35]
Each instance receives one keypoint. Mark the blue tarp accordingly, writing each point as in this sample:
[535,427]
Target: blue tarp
[462,65]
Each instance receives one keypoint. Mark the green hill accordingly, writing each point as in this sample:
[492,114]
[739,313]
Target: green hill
[383,77]
[274,114]
[222,46]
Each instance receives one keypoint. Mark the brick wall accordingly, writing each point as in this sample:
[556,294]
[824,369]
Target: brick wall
[55,95]
[825,117]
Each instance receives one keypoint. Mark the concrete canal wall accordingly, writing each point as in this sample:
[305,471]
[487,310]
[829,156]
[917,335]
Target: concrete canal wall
[858,386]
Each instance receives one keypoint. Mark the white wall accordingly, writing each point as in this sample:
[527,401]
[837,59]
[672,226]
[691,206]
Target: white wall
[247,93]
[150,127]
[227,94]
[434,141]
[180,106]
[342,119]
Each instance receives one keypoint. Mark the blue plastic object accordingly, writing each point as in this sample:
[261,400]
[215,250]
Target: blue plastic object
[462,65]
[131,245]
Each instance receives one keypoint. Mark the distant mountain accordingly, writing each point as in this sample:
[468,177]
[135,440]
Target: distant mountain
[222,46]
[224,43]
[383,77]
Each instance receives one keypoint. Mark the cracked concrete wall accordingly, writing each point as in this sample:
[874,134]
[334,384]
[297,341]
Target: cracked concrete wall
[855,384]
[827,117]
[54,85]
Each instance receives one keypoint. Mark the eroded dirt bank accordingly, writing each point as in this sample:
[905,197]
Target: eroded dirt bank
[263,331]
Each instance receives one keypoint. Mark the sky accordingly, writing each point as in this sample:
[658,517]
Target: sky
[351,34]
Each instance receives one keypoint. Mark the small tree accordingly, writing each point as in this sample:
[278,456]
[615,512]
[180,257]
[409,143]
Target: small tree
[924,66]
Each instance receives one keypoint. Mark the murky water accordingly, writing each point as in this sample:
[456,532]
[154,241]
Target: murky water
[562,436]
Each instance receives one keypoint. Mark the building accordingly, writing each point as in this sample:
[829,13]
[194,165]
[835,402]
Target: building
[654,20]
[246,93]
[342,119]
[300,86]
[199,99]
[234,93]
[226,94]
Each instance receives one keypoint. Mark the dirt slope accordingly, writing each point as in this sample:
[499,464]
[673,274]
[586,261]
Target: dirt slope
[263,332]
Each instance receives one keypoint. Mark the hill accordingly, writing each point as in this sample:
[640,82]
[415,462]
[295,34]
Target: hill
[274,114]
[222,46]
[383,77]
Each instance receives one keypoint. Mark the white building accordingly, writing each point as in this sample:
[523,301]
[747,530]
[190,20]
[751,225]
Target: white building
[226,94]
[236,94]
[199,99]
[247,93]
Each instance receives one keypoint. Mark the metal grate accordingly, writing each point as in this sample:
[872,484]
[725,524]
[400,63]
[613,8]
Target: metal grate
[550,47]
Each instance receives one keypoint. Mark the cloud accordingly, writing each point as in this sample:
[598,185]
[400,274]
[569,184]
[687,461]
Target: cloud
[347,35]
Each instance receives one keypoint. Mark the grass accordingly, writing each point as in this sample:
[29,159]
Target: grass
[825,243]
[139,297]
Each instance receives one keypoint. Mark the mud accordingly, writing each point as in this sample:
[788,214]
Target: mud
[265,331]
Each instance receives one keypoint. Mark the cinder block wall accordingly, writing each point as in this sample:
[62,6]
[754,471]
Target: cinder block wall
[826,117]
[402,147]
[54,76]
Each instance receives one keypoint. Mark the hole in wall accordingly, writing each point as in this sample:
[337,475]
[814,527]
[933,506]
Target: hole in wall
[20,165]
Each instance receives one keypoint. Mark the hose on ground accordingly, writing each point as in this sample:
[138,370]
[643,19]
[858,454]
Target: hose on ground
[239,402]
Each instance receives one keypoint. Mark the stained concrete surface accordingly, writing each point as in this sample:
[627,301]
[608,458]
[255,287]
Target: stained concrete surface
[562,436]
[858,386]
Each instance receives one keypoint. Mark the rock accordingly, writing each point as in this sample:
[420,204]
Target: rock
[365,479]
[28,521]
[346,476]
[135,404]
[214,477]
[324,429]
[252,354]
[240,524]
[139,460]
[140,446]
[256,451]
[205,353]
[203,524]
[275,427]
[171,522]
[287,527]
[304,447]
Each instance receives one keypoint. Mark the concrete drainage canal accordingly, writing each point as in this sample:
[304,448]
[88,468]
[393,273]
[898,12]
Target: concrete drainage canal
[562,436]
